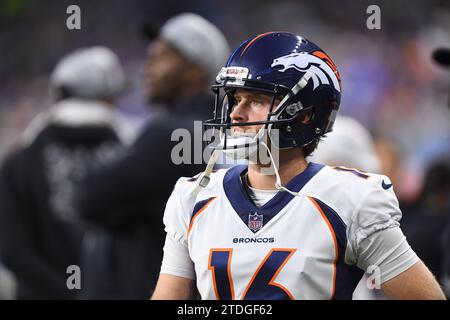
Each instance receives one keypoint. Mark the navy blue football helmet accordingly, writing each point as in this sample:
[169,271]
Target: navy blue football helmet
[291,69]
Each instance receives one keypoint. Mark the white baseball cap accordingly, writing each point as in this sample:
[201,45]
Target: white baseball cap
[90,73]
[197,39]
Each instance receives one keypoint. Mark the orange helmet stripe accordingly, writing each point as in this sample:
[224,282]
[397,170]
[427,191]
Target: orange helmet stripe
[323,56]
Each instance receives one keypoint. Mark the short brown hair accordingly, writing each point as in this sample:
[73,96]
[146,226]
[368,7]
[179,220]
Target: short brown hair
[309,148]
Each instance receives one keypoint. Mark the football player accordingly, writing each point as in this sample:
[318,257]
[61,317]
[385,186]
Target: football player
[288,229]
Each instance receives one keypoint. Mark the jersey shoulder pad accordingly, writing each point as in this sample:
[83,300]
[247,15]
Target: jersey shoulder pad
[376,206]
[366,202]
[182,202]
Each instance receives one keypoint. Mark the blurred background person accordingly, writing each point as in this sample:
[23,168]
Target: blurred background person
[428,217]
[8,284]
[40,229]
[182,63]
[126,200]
[440,180]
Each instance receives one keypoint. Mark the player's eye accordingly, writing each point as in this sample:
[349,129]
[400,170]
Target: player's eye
[257,103]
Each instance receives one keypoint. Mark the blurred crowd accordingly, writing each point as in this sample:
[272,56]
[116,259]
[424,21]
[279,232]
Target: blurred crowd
[395,108]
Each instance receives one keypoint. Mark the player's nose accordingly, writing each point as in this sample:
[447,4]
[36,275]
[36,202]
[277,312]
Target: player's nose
[238,114]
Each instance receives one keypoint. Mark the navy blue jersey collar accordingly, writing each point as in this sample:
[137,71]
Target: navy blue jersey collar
[244,206]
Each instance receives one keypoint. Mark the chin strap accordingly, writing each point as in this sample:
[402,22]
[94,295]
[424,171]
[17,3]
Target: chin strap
[204,180]
[278,185]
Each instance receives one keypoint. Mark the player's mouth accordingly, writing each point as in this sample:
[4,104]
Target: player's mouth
[237,132]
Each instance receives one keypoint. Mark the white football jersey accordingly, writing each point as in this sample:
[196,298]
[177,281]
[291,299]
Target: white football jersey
[293,247]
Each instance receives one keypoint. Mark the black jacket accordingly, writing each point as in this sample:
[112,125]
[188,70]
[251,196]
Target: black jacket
[40,230]
[126,202]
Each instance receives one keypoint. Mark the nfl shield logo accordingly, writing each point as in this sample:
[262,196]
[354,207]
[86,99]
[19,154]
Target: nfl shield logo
[255,221]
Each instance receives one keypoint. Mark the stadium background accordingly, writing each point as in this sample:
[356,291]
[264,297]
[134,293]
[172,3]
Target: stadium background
[390,83]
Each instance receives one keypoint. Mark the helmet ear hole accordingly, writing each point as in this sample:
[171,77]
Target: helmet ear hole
[307,116]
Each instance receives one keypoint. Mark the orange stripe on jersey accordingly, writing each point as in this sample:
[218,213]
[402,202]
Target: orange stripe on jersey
[272,281]
[336,252]
[196,215]
[210,267]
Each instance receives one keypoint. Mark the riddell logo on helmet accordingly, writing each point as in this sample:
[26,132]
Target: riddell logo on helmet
[238,73]
[236,70]
[320,70]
